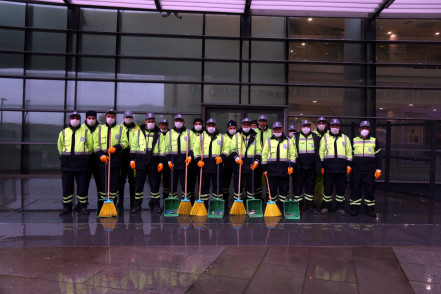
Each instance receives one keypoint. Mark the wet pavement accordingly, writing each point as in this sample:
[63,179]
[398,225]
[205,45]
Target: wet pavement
[399,251]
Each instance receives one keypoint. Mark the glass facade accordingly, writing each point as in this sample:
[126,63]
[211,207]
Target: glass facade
[55,59]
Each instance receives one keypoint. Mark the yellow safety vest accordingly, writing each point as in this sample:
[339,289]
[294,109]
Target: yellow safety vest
[83,142]
[365,148]
[287,150]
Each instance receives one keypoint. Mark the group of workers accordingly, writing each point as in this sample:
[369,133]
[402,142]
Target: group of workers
[318,161]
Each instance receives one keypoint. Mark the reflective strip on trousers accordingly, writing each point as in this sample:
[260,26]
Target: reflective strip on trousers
[205,197]
[297,198]
[67,199]
[355,202]
[327,198]
[308,197]
[155,195]
[282,198]
[369,202]
[339,198]
[82,199]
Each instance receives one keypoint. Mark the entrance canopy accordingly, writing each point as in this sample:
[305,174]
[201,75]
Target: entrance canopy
[314,8]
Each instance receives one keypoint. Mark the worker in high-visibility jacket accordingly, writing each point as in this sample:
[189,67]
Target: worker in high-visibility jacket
[175,150]
[209,153]
[146,152]
[292,129]
[193,169]
[109,140]
[75,146]
[130,127]
[278,151]
[246,150]
[320,131]
[229,162]
[308,164]
[366,168]
[163,127]
[264,133]
[336,157]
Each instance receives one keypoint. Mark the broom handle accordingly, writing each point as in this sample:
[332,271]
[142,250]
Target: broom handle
[202,158]
[186,166]
[240,166]
[267,183]
[108,168]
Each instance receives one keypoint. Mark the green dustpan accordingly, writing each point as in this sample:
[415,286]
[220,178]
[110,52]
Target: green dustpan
[216,208]
[254,207]
[291,209]
[171,206]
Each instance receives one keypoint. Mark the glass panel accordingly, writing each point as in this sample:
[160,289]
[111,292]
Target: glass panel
[38,96]
[263,26]
[326,74]
[169,47]
[268,95]
[101,68]
[323,28]
[12,14]
[70,95]
[96,44]
[221,72]
[223,117]
[325,101]
[44,159]
[95,95]
[43,126]
[222,49]
[408,29]
[408,53]
[154,22]
[159,97]
[221,94]
[316,51]
[48,42]
[101,20]
[267,73]
[46,16]
[11,40]
[409,103]
[42,65]
[222,25]
[10,155]
[416,76]
[11,93]
[10,126]
[160,70]
[268,50]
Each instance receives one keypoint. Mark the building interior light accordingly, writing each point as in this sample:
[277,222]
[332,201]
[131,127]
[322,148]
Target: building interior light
[411,104]
[381,108]
[434,109]
[303,44]
[310,19]
[314,101]
[437,34]
[389,33]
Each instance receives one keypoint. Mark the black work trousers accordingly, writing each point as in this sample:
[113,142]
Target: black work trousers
[226,180]
[166,181]
[179,174]
[337,180]
[304,180]
[150,171]
[113,181]
[126,172]
[94,171]
[67,179]
[248,178]
[362,179]
[208,178]
[278,187]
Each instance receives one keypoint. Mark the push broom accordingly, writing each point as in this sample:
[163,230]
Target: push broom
[199,208]
[108,209]
[185,205]
[271,207]
[238,207]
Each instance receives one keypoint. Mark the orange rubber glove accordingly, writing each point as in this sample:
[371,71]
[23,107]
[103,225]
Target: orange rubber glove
[265,173]
[348,170]
[111,150]
[132,164]
[239,161]
[104,158]
[323,170]
[218,160]
[377,174]
[160,167]
[171,165]
[254,165]
[188,160]
[290,170]
[201,163]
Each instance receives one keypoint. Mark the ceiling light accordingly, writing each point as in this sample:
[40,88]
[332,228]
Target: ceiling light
[381,108]
[291,51]
[310,19]
[434,109]
[389,33]
[411,104]
[437,34]
[303,44]
[314,101]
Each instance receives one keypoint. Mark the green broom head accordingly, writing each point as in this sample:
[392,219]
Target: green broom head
[184,207]
[272,209]
[199,208]
[238,207]
[108,209]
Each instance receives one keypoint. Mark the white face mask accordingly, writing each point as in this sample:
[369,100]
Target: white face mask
[321,127]
[364,133]
[198,128]
[232,132]
[277,135]
[254,129]
[178,124]
[335,131]
[75,122]
[128,120]
[150,126]
[110,121]
[306,130]
[163,130]
[291,134]
[91,122]
[211,130]
[246,130]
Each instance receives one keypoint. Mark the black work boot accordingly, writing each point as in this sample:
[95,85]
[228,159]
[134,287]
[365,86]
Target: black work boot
[67,209]
[354,210]
[135,208]
[84,210]
[155,205]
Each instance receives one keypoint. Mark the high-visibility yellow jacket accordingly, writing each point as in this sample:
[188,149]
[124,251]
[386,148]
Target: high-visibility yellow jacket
[210,146]
[308,151]
[277,154]
[175,146]
[105,137]
[335,152]
[246,146]
[366,153]
[147,146]
[75,146]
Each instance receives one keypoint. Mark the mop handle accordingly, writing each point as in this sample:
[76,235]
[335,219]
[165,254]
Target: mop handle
[240,165]
[202,158]
[267,183]
[186,166]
